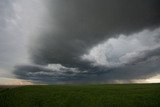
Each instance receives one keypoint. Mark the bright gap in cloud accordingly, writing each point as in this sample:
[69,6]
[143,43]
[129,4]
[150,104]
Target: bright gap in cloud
[124,49]
[154,79]
[13,81]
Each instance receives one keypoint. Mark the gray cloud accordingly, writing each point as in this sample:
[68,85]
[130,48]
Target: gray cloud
[114,51]
[60,32]
[18,20]
[141,70]
[142,67]
[76,26]
[113,61]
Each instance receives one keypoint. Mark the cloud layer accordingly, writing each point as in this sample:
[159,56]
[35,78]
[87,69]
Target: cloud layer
[80,41]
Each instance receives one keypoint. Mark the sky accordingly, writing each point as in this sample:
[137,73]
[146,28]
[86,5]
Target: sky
[79,41]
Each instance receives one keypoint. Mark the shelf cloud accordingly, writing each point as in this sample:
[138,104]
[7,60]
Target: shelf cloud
[110,61]
[80,41]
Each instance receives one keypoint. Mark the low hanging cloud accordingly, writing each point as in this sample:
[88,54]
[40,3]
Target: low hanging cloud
[52,73]
[110,62]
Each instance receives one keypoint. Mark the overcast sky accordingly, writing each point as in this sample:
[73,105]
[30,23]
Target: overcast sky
[79,41]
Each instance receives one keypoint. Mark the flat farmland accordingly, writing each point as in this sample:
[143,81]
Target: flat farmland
[107,95]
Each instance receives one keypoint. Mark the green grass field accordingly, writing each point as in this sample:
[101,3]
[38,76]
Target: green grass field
[126,95]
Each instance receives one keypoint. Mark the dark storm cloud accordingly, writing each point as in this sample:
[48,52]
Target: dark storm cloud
[143,67]
[74,26]
[141,70]
[45,74]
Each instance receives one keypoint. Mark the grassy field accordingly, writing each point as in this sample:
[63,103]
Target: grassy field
[126,95]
